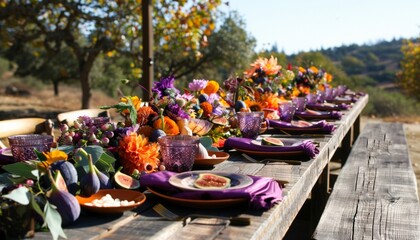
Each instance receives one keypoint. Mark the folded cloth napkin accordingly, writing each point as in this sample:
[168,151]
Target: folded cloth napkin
[262,194]
[328,106]
[4,159]
[307,147]
[320,115]
[317,127]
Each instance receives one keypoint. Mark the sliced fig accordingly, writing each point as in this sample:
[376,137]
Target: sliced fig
[272,141]
[211,181]
[60,182]
[69,174]
[220,121]
[123,180]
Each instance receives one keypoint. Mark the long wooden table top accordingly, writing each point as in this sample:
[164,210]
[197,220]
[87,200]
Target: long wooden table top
[142,223]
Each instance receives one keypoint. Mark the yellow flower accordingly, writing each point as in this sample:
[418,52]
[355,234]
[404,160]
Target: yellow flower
[314,69]
[51,157]
[135,100]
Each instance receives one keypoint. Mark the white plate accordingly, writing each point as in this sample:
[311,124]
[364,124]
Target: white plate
[7,152]
[287,143]
[186,180]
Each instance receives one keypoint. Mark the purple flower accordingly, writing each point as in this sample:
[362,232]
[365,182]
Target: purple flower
[197,84]
[165,87]
[176,110]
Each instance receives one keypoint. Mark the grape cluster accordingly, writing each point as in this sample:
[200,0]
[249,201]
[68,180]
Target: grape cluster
[90,131]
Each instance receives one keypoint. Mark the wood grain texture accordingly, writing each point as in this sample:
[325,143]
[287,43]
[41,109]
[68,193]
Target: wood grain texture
[375,196]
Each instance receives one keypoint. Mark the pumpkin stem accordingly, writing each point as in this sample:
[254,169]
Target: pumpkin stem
[162,118]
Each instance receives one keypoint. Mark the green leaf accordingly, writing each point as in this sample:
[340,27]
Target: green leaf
[206,141]
[20,195]
[66,148]
[40,155]
[53,221]
[105,163]
[36,207]
[20,168]
[5,179]
[94,150]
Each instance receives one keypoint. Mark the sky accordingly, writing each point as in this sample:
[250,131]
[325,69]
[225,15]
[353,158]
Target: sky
[304,25]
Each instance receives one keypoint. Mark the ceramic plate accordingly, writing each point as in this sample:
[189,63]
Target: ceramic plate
[7,152]
[186,180]
[287,143]
[198,203]
[122,194]
[219,157]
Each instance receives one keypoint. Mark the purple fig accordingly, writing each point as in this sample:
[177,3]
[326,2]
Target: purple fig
[67,205]
[104,180]
[90,184]
[69,173]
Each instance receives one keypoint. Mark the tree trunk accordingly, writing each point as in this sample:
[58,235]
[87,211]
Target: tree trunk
[86,93]
[55,83]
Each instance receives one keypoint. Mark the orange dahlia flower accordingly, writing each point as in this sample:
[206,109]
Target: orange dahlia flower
[136,152]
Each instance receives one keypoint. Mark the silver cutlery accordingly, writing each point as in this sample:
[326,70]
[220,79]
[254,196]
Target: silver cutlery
[169,215]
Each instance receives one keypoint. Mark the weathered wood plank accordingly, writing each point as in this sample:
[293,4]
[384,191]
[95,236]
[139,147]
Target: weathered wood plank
[375,196]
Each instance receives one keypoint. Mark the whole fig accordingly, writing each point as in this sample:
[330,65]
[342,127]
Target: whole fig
[69,173]
[104,180]
[89,184]
[67,205]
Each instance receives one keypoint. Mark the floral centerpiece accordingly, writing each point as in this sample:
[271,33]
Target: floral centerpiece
[262,88]
[198,110]
[308,80]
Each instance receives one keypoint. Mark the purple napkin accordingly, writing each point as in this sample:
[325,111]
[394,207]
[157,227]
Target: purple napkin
[263,193]
[5,159]
[326,107]
[323,115]
[307,147]
[317,127]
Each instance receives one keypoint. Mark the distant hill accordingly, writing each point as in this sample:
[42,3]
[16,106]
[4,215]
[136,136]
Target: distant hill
[380,61]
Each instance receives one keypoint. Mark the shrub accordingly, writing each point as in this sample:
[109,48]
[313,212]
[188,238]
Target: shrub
[383,103]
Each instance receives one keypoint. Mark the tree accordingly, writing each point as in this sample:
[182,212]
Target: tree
[409,76]
[230,51]
[95,27]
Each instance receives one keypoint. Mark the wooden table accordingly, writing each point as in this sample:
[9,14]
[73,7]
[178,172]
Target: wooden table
[309,179]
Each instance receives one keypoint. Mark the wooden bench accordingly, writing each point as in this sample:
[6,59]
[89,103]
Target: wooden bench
[375,196]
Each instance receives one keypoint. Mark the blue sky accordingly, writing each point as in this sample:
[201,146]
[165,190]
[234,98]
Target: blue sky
[303,25]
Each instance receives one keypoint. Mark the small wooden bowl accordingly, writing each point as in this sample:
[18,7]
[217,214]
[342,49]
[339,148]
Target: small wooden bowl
[122,194]
[220,157]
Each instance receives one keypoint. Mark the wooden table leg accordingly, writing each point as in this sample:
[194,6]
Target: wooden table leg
[319,196]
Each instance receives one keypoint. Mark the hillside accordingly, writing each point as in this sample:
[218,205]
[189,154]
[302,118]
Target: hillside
[379,61]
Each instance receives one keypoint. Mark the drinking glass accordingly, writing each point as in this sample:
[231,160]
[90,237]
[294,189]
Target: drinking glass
[287,111]
[178,152]
[300,103]
[250,123]
[311,98]
[23,146]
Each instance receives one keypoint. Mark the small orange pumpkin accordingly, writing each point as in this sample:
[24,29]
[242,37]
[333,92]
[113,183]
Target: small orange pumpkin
[169,126]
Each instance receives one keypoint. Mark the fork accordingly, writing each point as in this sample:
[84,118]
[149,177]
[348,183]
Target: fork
[169,215]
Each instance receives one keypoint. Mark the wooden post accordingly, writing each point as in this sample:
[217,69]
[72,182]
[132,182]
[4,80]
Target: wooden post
[147,30]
